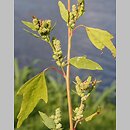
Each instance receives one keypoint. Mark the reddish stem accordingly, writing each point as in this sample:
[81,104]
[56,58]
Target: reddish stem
[54,68]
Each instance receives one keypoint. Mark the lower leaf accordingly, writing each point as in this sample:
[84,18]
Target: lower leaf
[32,91]
[47,121]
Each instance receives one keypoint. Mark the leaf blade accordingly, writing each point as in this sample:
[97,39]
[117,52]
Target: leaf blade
[32,91]
[89,118]
[29,25]
[84,63]
[33,34]
[47,121]
[101,39]
[63,11]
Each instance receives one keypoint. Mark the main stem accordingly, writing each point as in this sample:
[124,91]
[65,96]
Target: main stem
[68,73]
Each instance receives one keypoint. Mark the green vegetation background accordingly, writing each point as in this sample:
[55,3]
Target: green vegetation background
[57,98]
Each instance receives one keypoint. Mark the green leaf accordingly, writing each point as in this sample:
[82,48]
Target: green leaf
[63,11]
[101,39]
[53,27]
[84,63]
[89,79]
[29,24]
[47,121]
[32,91]
[80,1]
[33,34]
[89,118]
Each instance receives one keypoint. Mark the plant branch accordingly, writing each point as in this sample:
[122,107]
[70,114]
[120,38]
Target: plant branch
[81,25]
[54,68]
[63,71]
[76,123]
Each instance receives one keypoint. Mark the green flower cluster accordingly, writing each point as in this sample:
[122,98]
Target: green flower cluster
[57,56]
[43,27]
[57,119]
[76,13]
[73,17]
[79,112]
[81,87]
[81,7]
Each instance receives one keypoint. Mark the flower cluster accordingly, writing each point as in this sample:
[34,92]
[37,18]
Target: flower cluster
[81,87]
[43,27]
[72,17]
[81,7]
[77,11]
[79,112]
[57,56]
[57,119]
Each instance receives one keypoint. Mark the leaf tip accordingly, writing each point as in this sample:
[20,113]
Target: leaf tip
[46,100]
[59,2]
[18,93]
[19,124]
[23,21]
[100,68]
[39,112]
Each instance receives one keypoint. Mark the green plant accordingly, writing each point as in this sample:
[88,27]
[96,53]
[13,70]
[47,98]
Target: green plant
[36,88]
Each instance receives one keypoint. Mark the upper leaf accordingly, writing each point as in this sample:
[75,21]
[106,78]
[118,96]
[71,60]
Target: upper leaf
[47,121]
[32,91]
[30,25]
[33,34]
[53,26]
[101,39]
[63,11]
[84,63]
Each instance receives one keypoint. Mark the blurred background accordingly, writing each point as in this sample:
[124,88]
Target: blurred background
[33,55]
